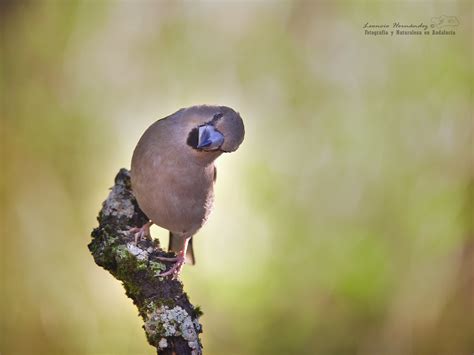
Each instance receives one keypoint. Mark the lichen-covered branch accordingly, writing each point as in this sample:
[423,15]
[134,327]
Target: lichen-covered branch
[171,321]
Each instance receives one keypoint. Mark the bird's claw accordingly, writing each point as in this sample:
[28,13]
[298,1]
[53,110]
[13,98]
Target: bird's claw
[141,232]
[176,268]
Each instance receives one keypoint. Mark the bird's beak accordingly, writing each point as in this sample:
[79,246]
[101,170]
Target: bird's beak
[209,138]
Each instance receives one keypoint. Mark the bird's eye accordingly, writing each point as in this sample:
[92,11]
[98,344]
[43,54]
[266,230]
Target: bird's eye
[217,116]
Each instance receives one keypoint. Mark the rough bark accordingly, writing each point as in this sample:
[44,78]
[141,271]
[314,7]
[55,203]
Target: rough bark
[171,321]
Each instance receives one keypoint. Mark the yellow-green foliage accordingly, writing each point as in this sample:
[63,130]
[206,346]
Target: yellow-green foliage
[343,225]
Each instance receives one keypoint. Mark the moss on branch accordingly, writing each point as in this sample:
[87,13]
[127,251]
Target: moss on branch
[171,321]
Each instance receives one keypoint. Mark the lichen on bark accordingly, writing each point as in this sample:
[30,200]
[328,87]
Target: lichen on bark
[171,321]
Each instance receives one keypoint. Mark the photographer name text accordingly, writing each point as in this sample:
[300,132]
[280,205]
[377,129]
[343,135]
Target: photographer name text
[408,29]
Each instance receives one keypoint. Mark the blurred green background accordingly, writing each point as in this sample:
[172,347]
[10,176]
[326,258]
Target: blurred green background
[344,223]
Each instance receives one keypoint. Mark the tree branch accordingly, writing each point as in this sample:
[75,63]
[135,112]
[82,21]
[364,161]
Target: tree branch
[171,321]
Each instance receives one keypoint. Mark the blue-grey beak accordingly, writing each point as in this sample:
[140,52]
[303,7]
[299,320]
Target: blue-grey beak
[209,138]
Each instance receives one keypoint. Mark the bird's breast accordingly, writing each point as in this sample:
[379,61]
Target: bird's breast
[174,195]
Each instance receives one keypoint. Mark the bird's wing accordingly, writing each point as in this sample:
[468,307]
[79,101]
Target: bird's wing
[215,174]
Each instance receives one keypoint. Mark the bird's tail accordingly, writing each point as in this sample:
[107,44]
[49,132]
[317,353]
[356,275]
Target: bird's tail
[177,243]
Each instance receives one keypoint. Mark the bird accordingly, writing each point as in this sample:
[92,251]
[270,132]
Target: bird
[173,173]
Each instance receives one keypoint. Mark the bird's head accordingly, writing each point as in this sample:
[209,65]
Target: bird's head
[217,129]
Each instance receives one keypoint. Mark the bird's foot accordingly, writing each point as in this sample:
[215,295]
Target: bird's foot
[141,232]
[176,268]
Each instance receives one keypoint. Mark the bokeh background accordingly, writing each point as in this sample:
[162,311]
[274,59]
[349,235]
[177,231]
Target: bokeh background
[344,223]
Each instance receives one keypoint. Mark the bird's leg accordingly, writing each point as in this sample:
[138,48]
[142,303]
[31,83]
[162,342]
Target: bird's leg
[179,261]
[176,268]
[141,232]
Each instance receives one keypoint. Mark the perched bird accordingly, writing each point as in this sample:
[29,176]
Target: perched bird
[173,172]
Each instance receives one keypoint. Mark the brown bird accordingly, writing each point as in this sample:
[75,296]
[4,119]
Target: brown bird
[173,172]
